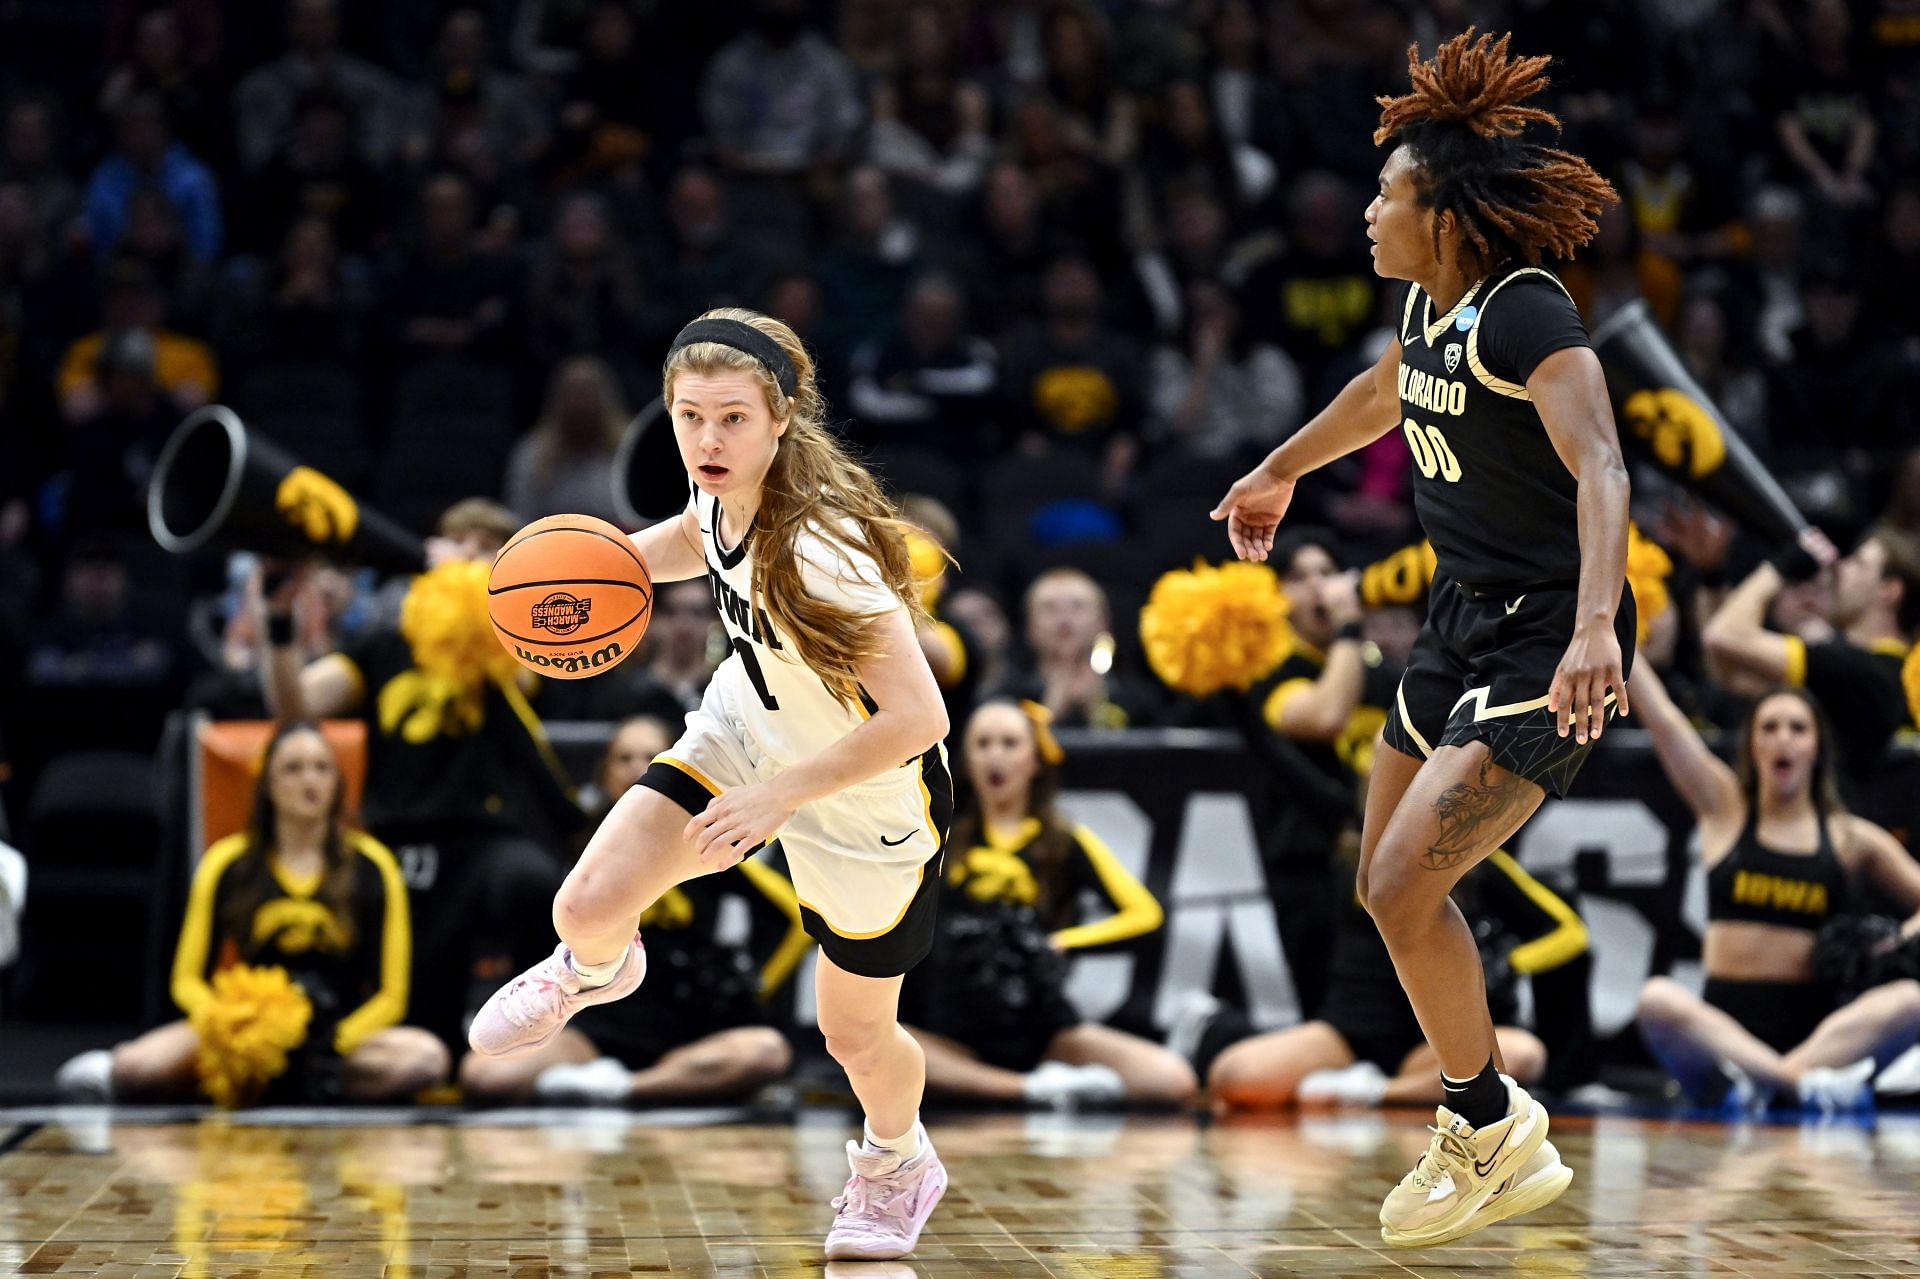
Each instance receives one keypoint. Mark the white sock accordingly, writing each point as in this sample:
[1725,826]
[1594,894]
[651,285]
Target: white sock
[907,1145]
[592,975]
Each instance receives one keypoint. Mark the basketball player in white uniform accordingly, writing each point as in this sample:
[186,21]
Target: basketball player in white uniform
[823,728]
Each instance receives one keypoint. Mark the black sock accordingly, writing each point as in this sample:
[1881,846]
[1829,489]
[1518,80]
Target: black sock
[1481,1100]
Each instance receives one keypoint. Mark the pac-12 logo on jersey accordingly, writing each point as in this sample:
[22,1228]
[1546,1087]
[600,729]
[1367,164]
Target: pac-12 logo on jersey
[1453,356]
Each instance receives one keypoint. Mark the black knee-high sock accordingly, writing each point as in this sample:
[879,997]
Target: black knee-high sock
[1481,1100]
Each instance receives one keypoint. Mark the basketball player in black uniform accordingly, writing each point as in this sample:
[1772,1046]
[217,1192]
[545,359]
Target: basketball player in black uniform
[1519,484]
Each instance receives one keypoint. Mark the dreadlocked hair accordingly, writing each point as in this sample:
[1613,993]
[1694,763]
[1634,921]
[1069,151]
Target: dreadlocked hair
[1462,124]
[813,485]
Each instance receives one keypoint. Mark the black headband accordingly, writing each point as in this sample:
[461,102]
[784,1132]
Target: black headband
[742,337]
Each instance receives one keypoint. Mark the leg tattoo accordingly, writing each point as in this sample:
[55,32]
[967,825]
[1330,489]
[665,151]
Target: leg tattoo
[1472,815]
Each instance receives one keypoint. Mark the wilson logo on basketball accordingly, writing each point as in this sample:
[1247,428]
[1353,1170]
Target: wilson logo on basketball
[561,613]
[573,663]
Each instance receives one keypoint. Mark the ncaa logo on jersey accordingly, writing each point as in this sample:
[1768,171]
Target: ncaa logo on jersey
[1453,356]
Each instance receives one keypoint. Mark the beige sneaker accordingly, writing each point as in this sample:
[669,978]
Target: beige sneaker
[1463,1171]
[1543,1180]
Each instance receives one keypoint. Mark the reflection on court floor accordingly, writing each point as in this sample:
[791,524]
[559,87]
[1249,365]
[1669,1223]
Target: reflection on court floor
[380,1195]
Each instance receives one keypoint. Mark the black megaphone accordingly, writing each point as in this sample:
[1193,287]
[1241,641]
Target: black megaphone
[1665,417]
[217,483]
[649,481]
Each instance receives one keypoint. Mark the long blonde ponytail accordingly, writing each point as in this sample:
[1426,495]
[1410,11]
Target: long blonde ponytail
[813,485]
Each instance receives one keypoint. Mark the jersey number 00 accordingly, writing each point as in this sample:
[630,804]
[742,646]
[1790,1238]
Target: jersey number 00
[1430,451]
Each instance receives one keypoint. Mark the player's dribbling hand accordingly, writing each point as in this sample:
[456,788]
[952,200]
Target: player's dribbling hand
[1252,509]
[738,822]
[1577,696]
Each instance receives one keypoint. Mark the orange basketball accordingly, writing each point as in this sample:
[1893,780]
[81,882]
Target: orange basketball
[569,596]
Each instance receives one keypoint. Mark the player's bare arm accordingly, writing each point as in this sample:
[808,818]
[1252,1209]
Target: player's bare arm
[1366,409]
[671,548]
[1570,393]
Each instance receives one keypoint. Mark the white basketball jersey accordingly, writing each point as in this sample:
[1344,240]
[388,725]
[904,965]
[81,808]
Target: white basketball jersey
[786,710]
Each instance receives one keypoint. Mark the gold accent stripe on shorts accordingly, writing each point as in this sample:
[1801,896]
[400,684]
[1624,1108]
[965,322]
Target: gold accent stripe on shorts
[682,766]
[878,932]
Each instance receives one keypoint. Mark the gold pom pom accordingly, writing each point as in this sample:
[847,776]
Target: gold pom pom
[444,619]
[1209,628]
[1910,680]
[255,1018]
[1647,569]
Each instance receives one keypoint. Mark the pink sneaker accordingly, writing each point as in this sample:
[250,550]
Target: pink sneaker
[880,1214]
[531,1009]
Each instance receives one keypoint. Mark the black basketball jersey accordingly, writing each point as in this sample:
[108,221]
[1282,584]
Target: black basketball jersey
[1492,494]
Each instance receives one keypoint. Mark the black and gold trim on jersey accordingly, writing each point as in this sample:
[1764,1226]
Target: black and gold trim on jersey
[729,558]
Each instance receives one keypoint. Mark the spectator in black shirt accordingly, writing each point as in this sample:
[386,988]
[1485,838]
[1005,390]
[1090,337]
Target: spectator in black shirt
[1070,381]
[157,63]
[1715,358]
[931,129]
[1217,394]
[447,297]
[317,173]
[308,306]
[1185,148]
[155,239]
[109,452]
[1891,314]
[1004,257]
[1246,99]
[865,275]
[931,383]
[1099,116]
[263,105]
[1855,675]
[31,158]
[705,263]
[1837,391]
[585,295]
[1318,296]
[1078,190]
[1823,117]
[1194,248]
[465,91]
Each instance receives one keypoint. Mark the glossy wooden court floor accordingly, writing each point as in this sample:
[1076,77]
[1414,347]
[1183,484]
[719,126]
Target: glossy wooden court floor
[599,1196]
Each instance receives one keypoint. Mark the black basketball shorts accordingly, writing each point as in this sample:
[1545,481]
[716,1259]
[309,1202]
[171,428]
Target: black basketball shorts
[1481,669]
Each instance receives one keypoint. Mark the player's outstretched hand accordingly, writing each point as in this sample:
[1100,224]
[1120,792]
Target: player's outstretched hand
[1578,694]
[1252,509]
[738,822]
